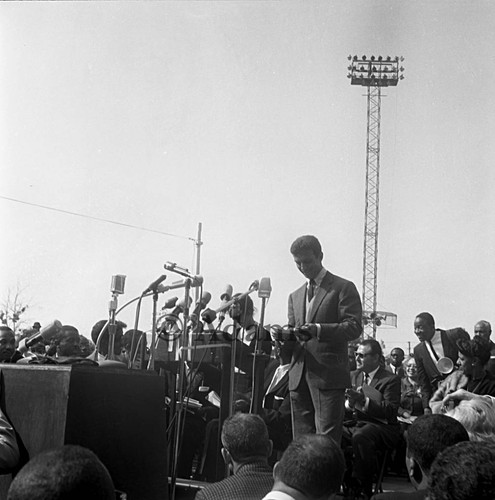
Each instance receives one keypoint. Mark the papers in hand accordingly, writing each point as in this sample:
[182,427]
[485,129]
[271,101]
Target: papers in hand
[213,398]
[408,420]
[372,393]
[192,403]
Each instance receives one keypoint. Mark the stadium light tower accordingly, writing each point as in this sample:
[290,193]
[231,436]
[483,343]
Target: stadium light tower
[373,73]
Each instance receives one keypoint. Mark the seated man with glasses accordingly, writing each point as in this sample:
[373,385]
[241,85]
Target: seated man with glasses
[374,400]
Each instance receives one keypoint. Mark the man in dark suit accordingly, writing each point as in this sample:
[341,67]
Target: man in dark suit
[435,345]
[396,359]
[276,403]
[246,449]
[374,400]
[275,410]
[484,330]
[326,312]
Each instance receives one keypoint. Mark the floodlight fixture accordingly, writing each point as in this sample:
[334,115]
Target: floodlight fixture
[374,71]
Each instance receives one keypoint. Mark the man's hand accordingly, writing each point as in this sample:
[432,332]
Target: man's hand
[459,395]
[355,397]
[307,332]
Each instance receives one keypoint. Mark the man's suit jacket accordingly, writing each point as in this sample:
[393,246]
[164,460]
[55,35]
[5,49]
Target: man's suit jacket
[277,401]
[252,480]
[428,374]
[401,373]
[388,385]
[336,306]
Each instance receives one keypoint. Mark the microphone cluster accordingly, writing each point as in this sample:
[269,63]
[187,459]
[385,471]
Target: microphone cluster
[174,307]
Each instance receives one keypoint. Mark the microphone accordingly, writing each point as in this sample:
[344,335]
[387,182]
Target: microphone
[181,304]
[225,297]
[118,284]
[227,293]
[254,286]
[202,303]
[172,266]
[265,288]
[209,316]
[46,333]
[153,287]
[170,303]
[195,281]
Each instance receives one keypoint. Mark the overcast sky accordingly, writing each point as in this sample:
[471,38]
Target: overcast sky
[239,115]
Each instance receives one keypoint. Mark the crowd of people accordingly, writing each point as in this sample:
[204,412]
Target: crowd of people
[336,414]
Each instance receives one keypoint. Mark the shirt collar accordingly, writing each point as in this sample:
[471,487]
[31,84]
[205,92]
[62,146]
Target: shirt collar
[319,278]
[278,495]
[372,374]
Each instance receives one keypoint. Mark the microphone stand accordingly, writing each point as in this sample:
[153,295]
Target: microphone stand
[180,389]
[151,362]
[259,362]
[112,327]
[232,364]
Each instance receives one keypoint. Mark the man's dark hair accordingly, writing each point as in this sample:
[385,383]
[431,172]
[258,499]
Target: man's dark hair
[306,243]
[245,303]
[127,340]
[426,316]
[312,464]
[97,328]
[375,346]
[62,332]
[398,349]
[478,347]
[245,437]
[5,328]
[465,471]
[431,434]
[67,473]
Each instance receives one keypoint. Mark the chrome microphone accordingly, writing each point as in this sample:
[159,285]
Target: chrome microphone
[153,287]
[193,283]
[265,288]
[172,266]
[46,334]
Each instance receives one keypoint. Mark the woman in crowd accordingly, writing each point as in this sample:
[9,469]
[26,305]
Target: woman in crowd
[410,401]
[474,355]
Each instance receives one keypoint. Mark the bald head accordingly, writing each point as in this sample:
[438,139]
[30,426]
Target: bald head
[483,329]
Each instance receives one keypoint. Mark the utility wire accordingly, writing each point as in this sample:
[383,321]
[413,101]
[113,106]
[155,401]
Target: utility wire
[96,218]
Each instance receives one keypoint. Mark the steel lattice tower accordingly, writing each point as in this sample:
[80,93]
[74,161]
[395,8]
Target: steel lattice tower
[373,73]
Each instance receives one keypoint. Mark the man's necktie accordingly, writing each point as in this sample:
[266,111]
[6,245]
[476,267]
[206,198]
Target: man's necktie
[311,290]
[366,379]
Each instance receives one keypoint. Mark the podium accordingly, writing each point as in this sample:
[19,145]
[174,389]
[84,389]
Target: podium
[118,414]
